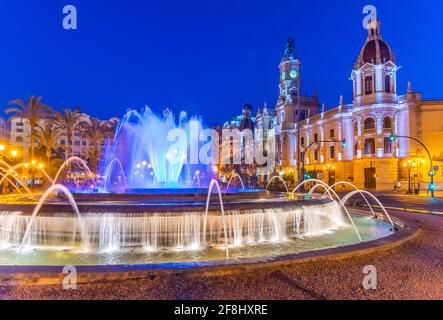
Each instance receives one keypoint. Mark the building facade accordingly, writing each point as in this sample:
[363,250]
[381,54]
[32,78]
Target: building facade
[20,137]
[354,142]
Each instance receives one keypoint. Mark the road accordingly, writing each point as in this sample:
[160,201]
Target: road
[411,203]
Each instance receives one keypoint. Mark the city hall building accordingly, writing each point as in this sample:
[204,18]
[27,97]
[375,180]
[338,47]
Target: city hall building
[351,142]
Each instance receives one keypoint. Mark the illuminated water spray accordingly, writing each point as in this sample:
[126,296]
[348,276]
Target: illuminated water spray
[148,158]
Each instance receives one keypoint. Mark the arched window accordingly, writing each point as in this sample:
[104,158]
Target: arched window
[368,85]
[355,126]
[369,124]
[369,146]
[19,139]
[387,84]
[387,123]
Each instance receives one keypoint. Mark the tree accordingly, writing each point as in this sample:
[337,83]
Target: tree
[33,111]
[48,136]
[95,131]
[68,122]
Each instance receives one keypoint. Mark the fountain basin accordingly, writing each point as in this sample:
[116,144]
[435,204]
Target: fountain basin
[125,231]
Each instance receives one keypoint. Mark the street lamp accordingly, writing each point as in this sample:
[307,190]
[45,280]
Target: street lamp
[409,165]
[431,171]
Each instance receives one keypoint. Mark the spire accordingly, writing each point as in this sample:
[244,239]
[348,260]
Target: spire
[265,108]
[374,29]
[290,52]
[323,107]
[342,104]
[409,87]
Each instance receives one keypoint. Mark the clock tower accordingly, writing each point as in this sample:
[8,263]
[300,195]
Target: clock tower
[287,108]
[292,107]
[289,74]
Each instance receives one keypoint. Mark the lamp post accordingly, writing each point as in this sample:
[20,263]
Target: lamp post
[431,171]
[409,165]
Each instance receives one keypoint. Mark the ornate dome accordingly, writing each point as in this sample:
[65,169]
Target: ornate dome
[375,50]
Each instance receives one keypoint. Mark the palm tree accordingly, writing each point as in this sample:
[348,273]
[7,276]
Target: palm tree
[95,131]
[68,122]
[48,136]
[33,111]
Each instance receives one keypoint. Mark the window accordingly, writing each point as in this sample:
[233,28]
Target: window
[332,152]
[20,124]
[19,139]
[316,155]
[62,142]
[355,126]
[316,137]
[332,133]
[76,134]
[302,141]
[76,143]
[19,130]
[369,146]
[387,123]
[369,124]
[356,149]
[368,85]
[387,84]
[84,143]
[387,145]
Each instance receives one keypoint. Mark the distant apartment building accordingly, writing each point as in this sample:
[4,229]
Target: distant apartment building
[5,131]
[20,136]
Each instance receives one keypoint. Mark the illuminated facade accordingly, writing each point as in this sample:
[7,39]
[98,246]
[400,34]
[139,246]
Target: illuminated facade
[354,139]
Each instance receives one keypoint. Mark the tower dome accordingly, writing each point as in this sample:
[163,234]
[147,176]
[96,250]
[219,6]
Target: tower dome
[375,50]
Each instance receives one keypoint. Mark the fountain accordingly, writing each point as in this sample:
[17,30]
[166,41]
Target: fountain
[109,170]
[163,213]
[280,179]
[142,146]
[236,175]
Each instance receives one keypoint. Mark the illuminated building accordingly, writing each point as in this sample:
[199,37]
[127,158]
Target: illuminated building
[368,158]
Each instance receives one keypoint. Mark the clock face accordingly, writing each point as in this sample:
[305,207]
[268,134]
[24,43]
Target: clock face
[293,73]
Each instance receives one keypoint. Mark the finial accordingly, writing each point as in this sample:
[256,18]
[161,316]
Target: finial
[290,49]
[409,87]
[341,101]
[323,107]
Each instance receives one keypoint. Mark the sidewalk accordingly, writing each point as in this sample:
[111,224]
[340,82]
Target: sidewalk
[402,193]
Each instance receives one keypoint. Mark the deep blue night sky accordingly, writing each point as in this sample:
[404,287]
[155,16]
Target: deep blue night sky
[206,57]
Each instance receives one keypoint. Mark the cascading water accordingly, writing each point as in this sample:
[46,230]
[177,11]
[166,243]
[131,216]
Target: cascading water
[189,230]
[176,228]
